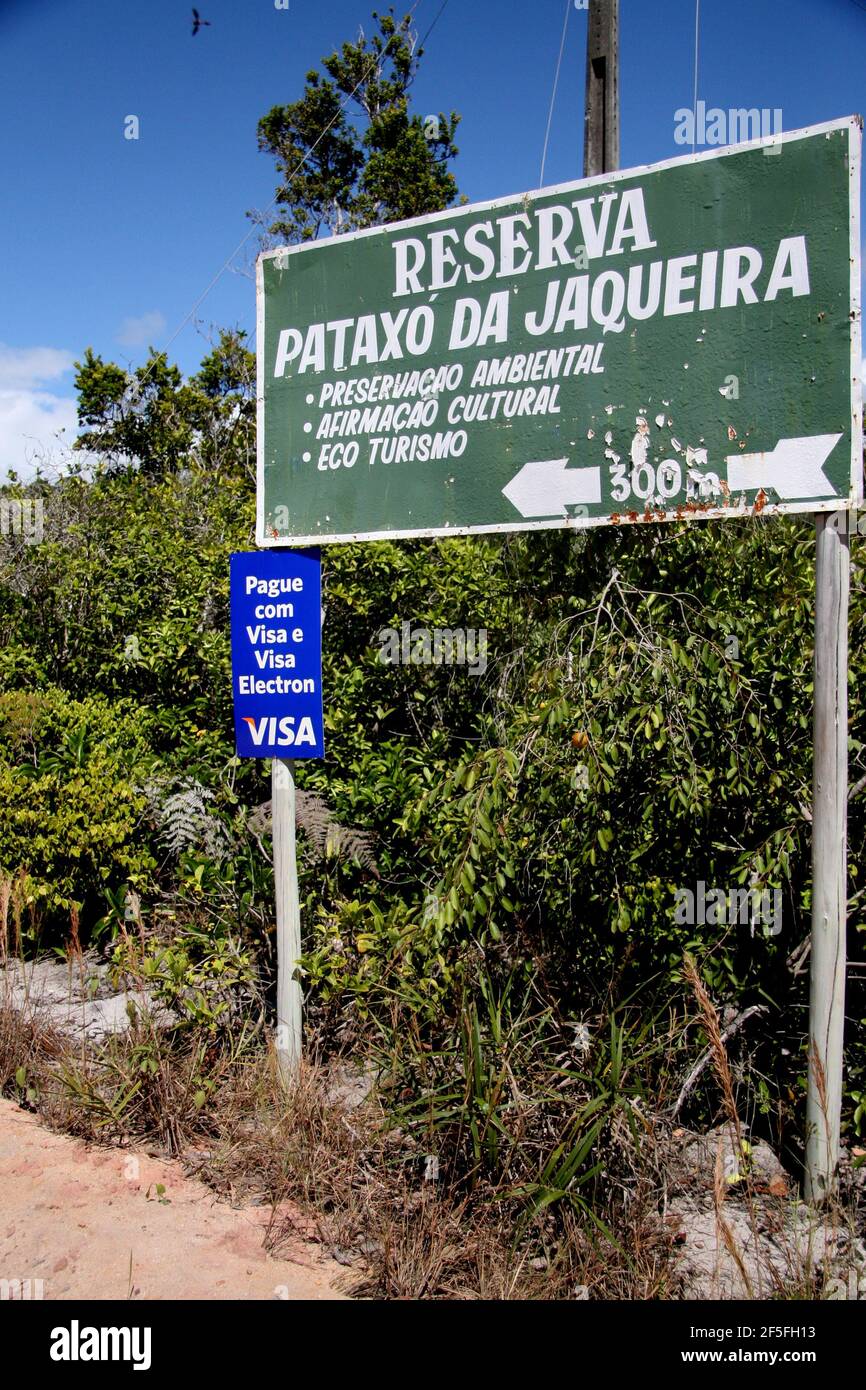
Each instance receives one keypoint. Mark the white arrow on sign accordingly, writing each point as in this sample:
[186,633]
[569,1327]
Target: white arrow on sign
[543,488]
[795,468]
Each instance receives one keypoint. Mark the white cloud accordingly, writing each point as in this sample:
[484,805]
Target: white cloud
[28,367]
[30,423]
[142,331]
[32,418]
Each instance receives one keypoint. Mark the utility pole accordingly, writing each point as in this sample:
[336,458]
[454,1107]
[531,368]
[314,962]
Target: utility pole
[829,854]
[601,119]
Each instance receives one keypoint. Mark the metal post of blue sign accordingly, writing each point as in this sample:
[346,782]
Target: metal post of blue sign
[276,625]
[290,1002]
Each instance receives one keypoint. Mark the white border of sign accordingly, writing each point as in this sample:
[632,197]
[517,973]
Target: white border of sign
[854,126]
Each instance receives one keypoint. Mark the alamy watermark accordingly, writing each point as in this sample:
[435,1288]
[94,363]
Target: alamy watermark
[77,1343]
[21,1290]
[854,521]
[713,126]
[438,646]
[22,516]
[752,907]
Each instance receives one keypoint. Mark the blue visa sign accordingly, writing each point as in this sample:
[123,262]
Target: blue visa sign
[276,621]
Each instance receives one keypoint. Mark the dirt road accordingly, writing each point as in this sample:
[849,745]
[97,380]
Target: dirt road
[90,1223]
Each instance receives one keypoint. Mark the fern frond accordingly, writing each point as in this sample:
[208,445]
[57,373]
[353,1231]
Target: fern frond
[325,835]
[183,819]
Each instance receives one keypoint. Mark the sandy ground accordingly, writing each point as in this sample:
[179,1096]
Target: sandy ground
[89,1224]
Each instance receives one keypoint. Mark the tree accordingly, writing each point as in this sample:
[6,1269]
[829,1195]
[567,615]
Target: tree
[154,421]
[396,167]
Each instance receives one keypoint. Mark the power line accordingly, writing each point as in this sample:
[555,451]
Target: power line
[425,38]
[433,25]
[553,93]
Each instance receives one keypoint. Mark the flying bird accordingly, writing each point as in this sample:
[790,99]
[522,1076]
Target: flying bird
[197,22]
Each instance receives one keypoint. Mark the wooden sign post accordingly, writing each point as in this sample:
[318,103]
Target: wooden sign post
[829,854]
[289,996]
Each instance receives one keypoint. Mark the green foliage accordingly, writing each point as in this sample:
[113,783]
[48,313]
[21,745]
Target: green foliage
[632,757]
[69,807]
[153,420]
[127,597]
[513,1098]
[204,980]
[396,168]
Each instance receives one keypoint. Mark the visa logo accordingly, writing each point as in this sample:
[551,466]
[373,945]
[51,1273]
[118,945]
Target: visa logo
[265,730]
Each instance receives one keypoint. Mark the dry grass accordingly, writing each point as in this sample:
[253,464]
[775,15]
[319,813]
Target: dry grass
[13,897]
[805,1271]
[353,1176]
[356,1179]
[722,1069]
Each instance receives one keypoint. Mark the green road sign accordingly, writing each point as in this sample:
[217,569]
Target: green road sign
[681,340]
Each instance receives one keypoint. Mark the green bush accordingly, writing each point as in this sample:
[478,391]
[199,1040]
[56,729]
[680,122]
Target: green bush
[70,810]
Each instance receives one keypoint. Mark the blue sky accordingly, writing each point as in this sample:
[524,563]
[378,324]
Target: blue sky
[108,242]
